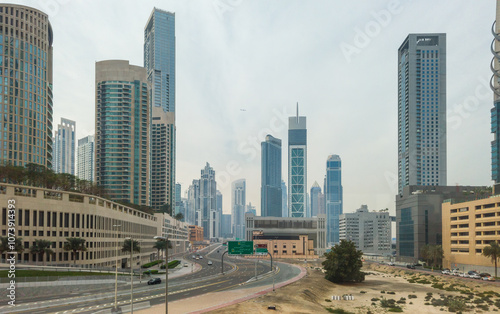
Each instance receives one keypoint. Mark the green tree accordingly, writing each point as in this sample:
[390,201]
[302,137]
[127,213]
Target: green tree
[437,254]
[493,251]
[127,243]
[179,216]
[343,263]
[75,245]
[166,208]
[41,247]
[5,247]
[161,245]
[425,253]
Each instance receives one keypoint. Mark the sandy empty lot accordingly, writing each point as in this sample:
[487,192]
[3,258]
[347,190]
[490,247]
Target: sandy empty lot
[313,294]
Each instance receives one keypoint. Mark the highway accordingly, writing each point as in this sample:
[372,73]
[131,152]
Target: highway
[238,272]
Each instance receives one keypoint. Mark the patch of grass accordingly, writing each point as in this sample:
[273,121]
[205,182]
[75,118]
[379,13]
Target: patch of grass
[362,292]
[383,291]
[412,296]
[375,299]
[328,300]
[456,305]
[391,292]
[395,309]
[423,281]
[388,303]
[483,307]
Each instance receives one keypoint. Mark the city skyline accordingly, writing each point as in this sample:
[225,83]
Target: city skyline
[330,102]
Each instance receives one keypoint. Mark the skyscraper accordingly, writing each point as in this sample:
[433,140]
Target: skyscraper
[315,194]
[178,199]
[85,161]
[333,195]
[64,147]
[297,166]
[270,191]
[238,208]
[284,200]
[422,110]
[193,203]
[122,131]
[208,201]
[219,212]
[159,61]
[495,111]
[26,37]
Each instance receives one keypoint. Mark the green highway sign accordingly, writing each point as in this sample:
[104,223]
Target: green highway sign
[261,250]
[240,247]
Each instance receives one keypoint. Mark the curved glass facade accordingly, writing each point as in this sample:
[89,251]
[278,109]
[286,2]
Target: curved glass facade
[25,86]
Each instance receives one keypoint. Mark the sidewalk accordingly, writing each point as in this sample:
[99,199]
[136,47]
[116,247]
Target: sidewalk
[216,300]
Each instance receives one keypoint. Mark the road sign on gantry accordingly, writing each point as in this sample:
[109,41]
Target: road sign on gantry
[240,247]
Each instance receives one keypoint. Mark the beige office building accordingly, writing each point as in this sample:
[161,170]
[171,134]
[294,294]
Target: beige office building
[468,227]
[56,215]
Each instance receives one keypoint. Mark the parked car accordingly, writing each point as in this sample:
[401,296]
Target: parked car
[154,281]
[193,257]
[417,264]
[209,263]
[445,272]
[410,266]
[484,275]
[201,257]
[186,265]
[391,264]
[472,272]
[475,276]
[489,278]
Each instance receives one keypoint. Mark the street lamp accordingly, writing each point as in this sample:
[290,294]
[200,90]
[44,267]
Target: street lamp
[166,270]
[131,276]
[116,267]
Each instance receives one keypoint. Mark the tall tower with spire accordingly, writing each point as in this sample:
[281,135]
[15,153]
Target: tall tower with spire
[297,166]
[495,111]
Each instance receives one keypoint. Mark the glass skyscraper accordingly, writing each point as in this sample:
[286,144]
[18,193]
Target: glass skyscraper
[422,110]
[64,147]
[159,61]
[271,177]
[315,199]
[25,86]
[86,164]
[297,166]
[495,111]
[238,200]
[122,131]
[208,201]
[333,196]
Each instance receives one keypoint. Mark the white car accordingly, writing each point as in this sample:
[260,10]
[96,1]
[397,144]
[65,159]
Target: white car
[209,263]
[445,272]
[475,276]
[391,264]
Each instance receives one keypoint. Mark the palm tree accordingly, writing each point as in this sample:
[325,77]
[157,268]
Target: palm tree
[493,251]
[160,245]
[41,247]
[425,253]
[436,252]
[75,245]
[5,246]
[127,243]
[179,216]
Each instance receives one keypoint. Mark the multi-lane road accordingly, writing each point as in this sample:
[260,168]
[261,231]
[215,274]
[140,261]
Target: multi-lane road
[238,272]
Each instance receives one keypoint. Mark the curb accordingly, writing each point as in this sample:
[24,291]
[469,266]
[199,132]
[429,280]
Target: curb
[303,272]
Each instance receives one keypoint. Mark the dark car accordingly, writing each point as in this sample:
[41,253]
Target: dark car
[410,266]
[417,264]
[154,281]
[484,275]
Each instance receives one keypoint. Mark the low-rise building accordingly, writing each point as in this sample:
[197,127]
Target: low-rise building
[176,231]
[307,234]
[418,216]
[55,215]
[370,231]
[195,233]
[468,227]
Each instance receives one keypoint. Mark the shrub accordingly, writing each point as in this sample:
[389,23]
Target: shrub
[151,264]
[375,299]
[456,305]
[362,292]
[412,296]
[395,309]
[391,292]
[151,271]
[383,291]
[328,300]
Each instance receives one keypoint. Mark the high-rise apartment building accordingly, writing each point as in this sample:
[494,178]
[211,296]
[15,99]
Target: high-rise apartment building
[333,196]
[208,201]
[85,160]
[226,226]
[64,147]
[370,231]
[26,59]
[238,200]
[178,198]
[495,111]
[297,166]
[270,191]
[315,199]
[219,212]
[159,61]
[193,203]
[122,131]
[422,110]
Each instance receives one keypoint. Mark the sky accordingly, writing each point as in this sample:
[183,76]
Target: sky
[337,59]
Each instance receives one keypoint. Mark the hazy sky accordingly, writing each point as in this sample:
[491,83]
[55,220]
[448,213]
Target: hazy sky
[338,59]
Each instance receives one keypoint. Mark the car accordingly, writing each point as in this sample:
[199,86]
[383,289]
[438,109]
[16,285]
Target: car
[489,278]
[445,272]
[475,276]
[197,257]
[154,281]
[391,264]
[186,265]
[410,266]
[484,275]
[472,272]
[417,264]
[209,263]
[201,257]
[193,257]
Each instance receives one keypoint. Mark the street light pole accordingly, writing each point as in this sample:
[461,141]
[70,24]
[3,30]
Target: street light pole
[116,267]
[131,277]
[166,270]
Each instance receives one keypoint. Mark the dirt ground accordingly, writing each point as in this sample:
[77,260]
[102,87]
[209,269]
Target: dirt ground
[313,294]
